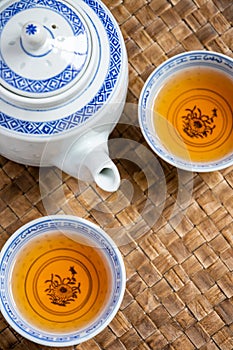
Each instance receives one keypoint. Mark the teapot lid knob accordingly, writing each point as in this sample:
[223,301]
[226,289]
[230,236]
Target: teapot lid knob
[33,36]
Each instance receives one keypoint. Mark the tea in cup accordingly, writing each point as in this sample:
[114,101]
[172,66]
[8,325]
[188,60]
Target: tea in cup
[62,280]
[186,111]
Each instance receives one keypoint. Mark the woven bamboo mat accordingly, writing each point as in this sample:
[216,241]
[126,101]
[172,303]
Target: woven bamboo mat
[177,244]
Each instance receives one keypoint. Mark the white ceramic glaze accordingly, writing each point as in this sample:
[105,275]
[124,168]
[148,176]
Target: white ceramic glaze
[64,81]
[153,85]
[81,230]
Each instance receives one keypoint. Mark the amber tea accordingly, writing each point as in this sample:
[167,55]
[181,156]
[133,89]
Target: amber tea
[59,284]
[193,114]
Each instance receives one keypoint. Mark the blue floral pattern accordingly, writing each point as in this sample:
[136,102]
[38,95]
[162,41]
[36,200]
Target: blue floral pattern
[31,29]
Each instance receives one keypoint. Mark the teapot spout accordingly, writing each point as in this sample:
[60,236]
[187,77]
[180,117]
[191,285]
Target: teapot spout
[88,160]
[103,170]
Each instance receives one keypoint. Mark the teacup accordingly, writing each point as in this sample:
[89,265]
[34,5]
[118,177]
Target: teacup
[185,111]
[62,280]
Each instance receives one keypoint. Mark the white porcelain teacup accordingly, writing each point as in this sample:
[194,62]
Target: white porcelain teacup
[62,280]
[185,111]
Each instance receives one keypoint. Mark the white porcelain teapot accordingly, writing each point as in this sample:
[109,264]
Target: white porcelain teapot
[63,85]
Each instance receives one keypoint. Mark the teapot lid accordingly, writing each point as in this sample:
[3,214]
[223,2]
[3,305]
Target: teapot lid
[45,47]
[61,62]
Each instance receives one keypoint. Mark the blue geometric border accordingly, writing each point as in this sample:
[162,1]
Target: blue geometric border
[56,82]
[79,117]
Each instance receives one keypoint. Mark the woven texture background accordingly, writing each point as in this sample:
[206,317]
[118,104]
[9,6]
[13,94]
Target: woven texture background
[179,292]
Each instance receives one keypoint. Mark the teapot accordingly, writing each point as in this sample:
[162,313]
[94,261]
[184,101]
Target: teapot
[64,82]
